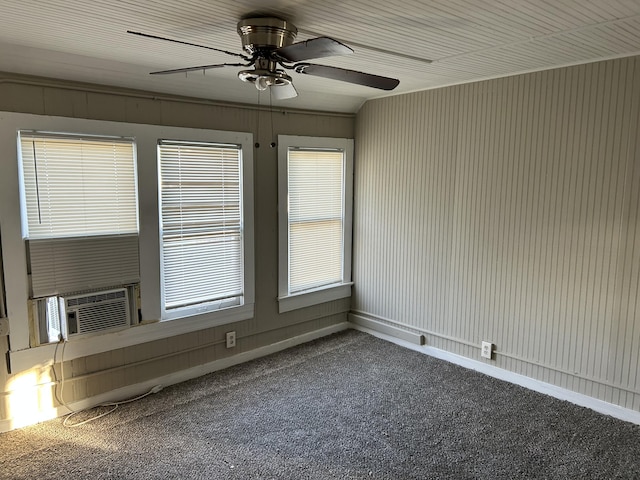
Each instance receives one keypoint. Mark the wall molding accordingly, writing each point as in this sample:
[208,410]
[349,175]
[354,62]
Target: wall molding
[385,332]
[359,320]
[134,390]
[382,322]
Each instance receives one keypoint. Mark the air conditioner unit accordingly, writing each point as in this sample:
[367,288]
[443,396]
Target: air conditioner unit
[96,312]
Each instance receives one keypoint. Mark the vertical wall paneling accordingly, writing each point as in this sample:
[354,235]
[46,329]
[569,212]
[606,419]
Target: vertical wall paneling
[508,211]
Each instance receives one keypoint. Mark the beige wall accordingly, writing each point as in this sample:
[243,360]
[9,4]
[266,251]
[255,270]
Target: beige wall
[508,211]
[90,376]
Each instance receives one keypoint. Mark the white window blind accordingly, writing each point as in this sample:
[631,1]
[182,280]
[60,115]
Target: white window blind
[201,210]
[77,186]
[316,213]
[83,263]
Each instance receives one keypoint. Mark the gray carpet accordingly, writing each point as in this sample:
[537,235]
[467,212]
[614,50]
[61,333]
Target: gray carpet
[346,406]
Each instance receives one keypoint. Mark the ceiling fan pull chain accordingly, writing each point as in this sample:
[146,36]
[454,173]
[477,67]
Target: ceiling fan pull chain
[257,144]
[272,144]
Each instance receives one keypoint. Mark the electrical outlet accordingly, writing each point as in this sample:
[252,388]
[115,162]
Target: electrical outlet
[231,339]
[487,350]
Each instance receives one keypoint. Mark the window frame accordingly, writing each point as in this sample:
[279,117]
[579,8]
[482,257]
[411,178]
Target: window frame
[93,207]
[288,301]
[208,305]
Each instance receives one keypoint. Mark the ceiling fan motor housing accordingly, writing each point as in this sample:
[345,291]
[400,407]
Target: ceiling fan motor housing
[265,34]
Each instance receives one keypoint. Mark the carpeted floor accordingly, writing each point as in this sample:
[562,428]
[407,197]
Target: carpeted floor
[346,406]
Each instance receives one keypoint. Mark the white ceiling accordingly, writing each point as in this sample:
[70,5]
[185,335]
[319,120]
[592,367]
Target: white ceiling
[467,40]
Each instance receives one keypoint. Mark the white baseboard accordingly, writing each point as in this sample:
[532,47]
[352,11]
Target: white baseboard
[381,330]
[131,391]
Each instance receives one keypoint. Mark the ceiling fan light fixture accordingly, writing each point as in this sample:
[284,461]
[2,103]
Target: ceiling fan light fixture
[262,83]
[264,79]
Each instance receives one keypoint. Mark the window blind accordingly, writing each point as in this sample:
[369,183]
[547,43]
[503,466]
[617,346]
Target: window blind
[316,211]
[78,186]
[83,263]
[201,223]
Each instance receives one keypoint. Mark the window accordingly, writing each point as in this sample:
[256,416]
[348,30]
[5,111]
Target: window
[315,198]
[77,186]
[79,211]
[201,227]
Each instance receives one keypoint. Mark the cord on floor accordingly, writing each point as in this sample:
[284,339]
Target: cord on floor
[115,406]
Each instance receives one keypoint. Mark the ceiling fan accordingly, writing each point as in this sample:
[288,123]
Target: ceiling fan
[270,52]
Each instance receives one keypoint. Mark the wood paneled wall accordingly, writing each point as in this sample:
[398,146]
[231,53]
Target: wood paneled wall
[508,211]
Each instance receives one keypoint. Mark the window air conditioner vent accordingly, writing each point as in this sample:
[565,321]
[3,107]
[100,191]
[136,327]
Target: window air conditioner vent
[96,312]
[95,298]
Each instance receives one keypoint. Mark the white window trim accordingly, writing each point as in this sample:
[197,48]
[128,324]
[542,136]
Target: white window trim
[23,356]
[286,301]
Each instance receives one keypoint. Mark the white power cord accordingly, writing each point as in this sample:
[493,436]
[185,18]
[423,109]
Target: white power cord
[115,405]
[63,341]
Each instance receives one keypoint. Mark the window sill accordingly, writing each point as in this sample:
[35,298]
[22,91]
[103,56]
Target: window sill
[314,297]
[202,309]
[43,355]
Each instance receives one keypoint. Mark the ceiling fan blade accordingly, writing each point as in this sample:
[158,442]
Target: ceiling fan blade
[351,76]
[282,92]
[315,48]
[188,43]
[374,49]
[200,67]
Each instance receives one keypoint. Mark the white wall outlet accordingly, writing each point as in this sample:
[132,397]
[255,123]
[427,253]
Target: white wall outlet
[487,350]
[231,339]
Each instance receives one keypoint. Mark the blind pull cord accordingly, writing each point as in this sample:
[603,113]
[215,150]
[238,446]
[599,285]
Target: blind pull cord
[35,167]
